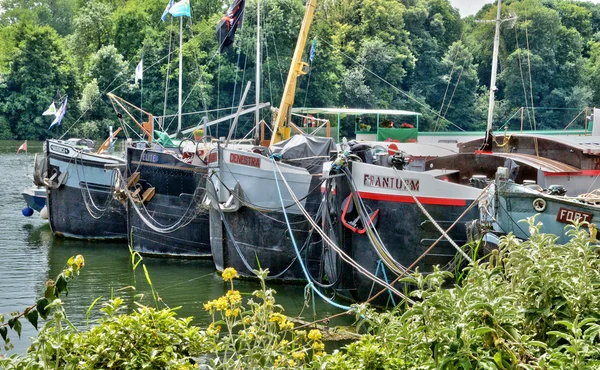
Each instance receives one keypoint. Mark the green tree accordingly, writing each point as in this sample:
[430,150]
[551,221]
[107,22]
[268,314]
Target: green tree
[93,29]
[38,66]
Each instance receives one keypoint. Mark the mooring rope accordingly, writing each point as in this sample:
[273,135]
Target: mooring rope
[342,254]
[374,238]
[165,229]
[89,199]
[437,226]
[304,269]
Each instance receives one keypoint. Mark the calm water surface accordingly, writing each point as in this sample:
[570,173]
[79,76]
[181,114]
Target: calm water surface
[30,255]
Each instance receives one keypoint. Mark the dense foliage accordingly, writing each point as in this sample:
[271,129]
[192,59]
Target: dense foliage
[533,305]
[529,305]
[396,54]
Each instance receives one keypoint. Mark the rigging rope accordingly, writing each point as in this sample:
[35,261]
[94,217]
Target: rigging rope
[423,105]
[149,221]
[458,249]
[304,270]
[90,200]
[382,252]
[362,270]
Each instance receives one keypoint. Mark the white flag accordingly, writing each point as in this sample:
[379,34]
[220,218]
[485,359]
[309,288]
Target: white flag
[51,111]
[139,71]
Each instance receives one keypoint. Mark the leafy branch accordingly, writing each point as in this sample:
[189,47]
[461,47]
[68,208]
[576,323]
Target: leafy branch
[43,305]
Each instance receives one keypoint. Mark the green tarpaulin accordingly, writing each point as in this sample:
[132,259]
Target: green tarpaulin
[403,135]
[164,139]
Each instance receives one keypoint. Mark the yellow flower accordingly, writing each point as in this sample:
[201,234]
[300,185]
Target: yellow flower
[315,334]
[279,361]
[318,346]
[300,333]
[300,355]
[283,343]
[319,354]
[79,262]
[286,325]
[232,313]
[222,303]
[234,296]
[229,274]
[277,317]
[291,363]
[212,329]
[210,305]
[247,320]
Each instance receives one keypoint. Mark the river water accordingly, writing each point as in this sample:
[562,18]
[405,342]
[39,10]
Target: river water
[30,255]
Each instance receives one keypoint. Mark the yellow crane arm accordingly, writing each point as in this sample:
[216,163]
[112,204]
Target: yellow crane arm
[281,128]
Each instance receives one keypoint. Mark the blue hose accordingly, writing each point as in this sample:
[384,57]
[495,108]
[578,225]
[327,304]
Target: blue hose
[304,270]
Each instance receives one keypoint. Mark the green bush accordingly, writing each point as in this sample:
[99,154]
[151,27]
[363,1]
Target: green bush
[531,305]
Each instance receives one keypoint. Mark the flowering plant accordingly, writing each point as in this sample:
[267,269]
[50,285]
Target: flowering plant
[256,334]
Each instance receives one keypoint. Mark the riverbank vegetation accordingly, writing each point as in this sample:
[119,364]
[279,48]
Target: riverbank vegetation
[528,305]
[408,54]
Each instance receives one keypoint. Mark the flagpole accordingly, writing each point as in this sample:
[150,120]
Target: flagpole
[258,60]
[180,72]
[142,88]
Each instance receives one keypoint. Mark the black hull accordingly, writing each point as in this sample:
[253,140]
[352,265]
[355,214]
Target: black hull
[87,184]
[69,217]
[406,233]
[264,241]
[179,189]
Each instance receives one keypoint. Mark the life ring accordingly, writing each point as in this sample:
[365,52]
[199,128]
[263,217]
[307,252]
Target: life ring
[309,120]
[539,205]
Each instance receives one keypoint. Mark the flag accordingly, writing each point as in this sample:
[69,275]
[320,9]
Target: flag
[229,23]
[164,15]
[139,71]
[180,9]
[60,114]
[313,50]
[23,147]
[51,111]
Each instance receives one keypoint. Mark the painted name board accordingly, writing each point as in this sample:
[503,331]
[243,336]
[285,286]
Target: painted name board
[244,160]
[385,182]
[150,157]
[59,149]
[567,215]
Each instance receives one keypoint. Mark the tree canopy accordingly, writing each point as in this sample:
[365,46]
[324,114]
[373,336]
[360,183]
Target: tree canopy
[389,54]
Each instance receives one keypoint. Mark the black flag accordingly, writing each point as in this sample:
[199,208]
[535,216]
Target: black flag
[229,23]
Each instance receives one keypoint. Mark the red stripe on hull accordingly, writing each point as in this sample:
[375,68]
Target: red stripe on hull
[410,199]
[580,173]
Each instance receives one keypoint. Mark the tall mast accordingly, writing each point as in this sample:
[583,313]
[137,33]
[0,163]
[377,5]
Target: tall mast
[494,69]
[180,73]
[281,130]
[258,61]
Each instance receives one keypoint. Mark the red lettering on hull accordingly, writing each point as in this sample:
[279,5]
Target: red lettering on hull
[244,160]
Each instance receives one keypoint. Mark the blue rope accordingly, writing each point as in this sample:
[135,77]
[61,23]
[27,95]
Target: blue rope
[382,266]
[304,270]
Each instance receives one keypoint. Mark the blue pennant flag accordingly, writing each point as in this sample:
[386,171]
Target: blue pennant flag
[181,9]
[60,114]
[169,6]
[313,50]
